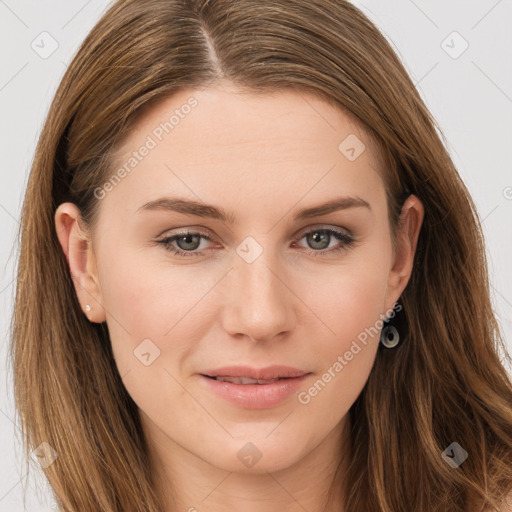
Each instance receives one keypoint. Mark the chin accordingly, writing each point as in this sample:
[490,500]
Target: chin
[258,454]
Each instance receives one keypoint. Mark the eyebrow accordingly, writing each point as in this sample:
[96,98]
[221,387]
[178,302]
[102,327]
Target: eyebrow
[189,207]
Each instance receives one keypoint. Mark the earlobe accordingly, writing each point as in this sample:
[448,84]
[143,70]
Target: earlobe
[77,248]
[411,220]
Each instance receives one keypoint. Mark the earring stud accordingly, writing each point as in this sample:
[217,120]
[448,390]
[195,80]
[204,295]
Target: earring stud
[87,307]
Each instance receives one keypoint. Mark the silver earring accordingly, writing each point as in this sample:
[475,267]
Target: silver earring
[87,307]
[389,336]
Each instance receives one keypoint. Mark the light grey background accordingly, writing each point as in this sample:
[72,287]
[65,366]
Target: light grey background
[469,94]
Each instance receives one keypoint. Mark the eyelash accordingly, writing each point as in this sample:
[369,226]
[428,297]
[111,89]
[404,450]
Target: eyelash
[348,242]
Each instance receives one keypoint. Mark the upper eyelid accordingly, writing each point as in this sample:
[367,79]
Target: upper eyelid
[297,236]
[321,227]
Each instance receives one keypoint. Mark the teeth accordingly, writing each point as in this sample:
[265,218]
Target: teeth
[245,380]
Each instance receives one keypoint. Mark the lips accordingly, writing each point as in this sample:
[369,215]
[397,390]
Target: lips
[270,373]
[244,380]
[253,388]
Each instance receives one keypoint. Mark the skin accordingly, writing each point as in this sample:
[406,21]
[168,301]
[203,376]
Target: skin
[261,157]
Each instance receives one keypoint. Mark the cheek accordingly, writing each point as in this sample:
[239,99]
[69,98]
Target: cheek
[349,307]
[148,301]
[347,299]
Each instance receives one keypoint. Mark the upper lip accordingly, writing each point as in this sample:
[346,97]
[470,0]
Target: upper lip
[270,372]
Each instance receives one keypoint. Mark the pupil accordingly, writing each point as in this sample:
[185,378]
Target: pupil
[188,239]
[317,238]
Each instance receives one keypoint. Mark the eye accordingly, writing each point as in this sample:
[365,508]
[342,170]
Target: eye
[187,243]
[319,239]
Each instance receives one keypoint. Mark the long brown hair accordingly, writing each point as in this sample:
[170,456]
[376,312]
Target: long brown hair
[444,384]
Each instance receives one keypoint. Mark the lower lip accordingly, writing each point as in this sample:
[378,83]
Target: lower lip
[255,396]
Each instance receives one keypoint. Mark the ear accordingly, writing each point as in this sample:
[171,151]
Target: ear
[411,219]
[77,246]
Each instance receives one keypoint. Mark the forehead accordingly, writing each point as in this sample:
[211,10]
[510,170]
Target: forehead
[227,114]
[282,144]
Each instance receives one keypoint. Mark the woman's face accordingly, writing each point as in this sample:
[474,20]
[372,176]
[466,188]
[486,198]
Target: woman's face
[283,287]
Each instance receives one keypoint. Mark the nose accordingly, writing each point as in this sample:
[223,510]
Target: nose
[260,303]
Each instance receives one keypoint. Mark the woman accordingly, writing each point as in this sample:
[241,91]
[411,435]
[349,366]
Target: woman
[251,277]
